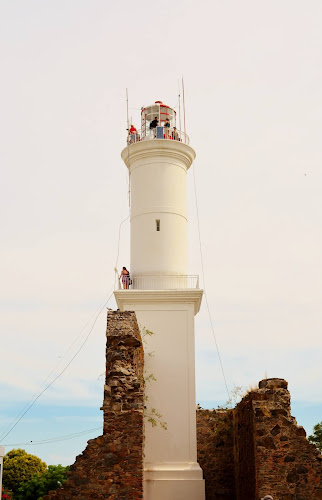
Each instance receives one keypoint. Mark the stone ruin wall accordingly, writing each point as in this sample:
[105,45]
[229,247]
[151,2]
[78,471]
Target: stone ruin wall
[270,452]
[112,464]
[216,452]
[245,453]
[287,465]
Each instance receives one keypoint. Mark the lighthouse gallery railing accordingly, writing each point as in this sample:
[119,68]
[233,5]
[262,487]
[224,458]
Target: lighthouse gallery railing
[161,282]
[168,133]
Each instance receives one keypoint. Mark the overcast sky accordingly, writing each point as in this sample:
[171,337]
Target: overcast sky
[253,80]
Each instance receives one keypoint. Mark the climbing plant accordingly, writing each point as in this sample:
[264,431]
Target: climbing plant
[153,416]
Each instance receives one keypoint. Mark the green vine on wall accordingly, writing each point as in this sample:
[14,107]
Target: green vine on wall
[153,416]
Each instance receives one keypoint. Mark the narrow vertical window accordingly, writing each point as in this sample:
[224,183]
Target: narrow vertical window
[157,223]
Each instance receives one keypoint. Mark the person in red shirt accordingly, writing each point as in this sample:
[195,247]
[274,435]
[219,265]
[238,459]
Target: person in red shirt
[133,135]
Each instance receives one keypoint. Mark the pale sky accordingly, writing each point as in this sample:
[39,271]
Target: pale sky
[253,80]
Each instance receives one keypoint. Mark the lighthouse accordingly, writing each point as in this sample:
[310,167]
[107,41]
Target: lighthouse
[165,298]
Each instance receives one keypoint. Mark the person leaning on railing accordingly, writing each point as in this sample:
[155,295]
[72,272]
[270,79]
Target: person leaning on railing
[166,128]
[175,135]
[132,134]
[125,276]
[154,124]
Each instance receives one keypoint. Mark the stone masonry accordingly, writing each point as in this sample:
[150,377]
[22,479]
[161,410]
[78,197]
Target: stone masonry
[216,452]
[257,449]
[282,461]
[112,464]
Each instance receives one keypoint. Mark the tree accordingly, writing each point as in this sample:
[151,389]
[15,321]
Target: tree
[40,485]
[19,466]
[316,437]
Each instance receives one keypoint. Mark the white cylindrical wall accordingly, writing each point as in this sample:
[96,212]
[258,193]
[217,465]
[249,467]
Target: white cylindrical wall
[158,171]
[152,251]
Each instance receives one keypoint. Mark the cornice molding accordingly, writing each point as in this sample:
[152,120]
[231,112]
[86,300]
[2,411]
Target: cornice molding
[158,147]
[187,296]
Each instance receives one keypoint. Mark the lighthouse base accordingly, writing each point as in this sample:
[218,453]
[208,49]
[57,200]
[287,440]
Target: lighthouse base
[175,481]
[166,320]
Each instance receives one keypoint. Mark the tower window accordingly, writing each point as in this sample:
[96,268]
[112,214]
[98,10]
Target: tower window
[157,223]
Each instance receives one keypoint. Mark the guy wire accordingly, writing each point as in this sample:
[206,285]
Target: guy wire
[204,282]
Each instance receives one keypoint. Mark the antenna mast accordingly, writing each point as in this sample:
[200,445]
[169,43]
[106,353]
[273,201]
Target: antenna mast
[179,109]
[128,128]
[127,111]
[184,109]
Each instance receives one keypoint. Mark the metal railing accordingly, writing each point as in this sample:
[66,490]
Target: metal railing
[164,282]
[169,133]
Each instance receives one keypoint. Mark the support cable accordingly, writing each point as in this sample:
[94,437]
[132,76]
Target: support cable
[204,282]
[59,374]
[22,411]
[56,439]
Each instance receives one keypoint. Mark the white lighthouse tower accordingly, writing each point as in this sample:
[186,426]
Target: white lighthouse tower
[165,299]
